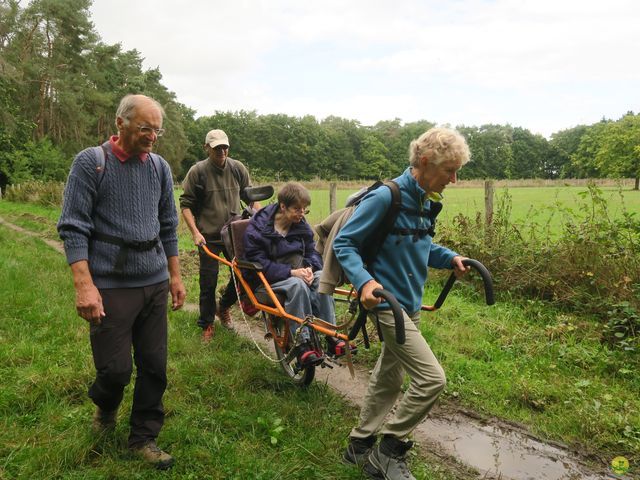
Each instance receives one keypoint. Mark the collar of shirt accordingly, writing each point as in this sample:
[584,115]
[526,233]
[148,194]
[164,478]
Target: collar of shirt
[121,154]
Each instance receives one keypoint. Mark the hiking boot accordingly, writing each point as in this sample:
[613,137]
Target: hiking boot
[104,421]
[388,460]
[150,453]
[224,314]
[358,450]
[207,333]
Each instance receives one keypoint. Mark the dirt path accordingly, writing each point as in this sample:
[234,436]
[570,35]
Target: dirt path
[491,448]
[52,243]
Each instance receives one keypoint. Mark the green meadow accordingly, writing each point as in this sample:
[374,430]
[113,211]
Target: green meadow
[545,204]
[525,360]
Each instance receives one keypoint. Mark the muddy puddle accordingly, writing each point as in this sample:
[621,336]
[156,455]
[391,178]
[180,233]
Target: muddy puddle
[497,452]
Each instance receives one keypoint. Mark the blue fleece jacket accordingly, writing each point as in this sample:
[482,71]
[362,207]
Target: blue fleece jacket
[264,245]
[131,201]
[401,265]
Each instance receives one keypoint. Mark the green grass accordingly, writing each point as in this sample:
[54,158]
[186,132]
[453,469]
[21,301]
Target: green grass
[529,363]
[225,403]
[540,203]
[524,361]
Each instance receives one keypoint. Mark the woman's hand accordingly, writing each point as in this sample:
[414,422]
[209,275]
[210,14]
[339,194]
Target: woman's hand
[459,269]
[305,274]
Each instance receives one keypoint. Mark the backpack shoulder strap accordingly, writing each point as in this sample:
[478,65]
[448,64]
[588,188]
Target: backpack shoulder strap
[394,208]
[374,243]
[100,164]
[157,165]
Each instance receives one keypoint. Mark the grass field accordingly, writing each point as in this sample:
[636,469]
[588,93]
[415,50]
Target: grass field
[231,414]
[540,203]
[521,360]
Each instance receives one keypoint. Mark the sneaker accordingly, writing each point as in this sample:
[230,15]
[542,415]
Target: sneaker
[224,314]
[307,356]
[339,348]
[150,453]
[104,421]
[358,450]
[388,460]
[207,333]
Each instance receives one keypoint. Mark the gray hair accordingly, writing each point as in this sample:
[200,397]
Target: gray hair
[128,105]
[438,145]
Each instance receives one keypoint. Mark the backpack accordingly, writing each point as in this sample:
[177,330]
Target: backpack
[332,274]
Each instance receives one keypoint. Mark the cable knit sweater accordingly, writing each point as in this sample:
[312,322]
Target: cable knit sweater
[131,201]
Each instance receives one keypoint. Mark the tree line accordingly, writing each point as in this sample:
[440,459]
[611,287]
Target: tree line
[60,86]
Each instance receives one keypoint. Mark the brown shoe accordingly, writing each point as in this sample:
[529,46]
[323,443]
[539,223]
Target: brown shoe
[150,453]
[224,314]
[207,333]
[104,421]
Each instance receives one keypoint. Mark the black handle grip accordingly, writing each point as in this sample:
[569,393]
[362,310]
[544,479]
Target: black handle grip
[486,280]
[397,313]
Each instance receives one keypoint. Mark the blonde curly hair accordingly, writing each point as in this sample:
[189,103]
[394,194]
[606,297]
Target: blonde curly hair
[439,144]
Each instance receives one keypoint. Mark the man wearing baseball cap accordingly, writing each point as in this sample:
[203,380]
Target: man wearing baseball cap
[213,189]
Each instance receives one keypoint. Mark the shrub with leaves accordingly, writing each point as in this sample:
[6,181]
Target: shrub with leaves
[592,264]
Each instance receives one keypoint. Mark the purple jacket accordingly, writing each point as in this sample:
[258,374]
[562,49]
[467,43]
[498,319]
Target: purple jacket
[264,245]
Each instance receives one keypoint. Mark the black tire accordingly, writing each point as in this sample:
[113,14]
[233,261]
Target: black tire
[301,377]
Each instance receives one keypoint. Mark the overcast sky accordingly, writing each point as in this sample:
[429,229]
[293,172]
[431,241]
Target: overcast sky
[543,65]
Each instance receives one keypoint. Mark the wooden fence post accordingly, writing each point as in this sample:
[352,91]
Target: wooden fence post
[333,192]
[488,202]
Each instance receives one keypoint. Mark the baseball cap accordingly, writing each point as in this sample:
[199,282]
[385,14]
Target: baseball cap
[215,138]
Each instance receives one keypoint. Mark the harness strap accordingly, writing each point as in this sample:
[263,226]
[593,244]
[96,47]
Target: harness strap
[416,233]
[125,246]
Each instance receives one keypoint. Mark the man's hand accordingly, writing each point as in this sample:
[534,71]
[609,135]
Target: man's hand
[88,299]
[178,293]
[176,287]
[458,268]
[366,294]
[198,239]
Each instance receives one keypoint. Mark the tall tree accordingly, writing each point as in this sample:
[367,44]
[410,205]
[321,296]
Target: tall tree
[619,152]
[563,145]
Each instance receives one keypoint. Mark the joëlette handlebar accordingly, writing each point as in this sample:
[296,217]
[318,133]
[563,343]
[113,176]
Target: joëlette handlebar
[397,316]
[486,279]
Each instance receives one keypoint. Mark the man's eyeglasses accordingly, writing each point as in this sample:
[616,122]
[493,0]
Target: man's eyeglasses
[221,147]
[148,130]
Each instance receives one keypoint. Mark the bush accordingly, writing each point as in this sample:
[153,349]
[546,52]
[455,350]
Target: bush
[592,264]
[39,160]
[42,193]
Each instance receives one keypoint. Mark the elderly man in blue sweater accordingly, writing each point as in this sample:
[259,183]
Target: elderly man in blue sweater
[118,224]
[401,268]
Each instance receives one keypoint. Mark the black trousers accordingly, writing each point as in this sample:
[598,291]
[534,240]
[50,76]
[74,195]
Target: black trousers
[135,317]
[209,268]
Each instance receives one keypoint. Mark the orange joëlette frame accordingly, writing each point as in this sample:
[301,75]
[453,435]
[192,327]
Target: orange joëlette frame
[319,325]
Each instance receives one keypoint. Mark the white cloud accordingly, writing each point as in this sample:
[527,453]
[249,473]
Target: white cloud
[543,65]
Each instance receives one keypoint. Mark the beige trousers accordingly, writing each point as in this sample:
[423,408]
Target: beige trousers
[427,382]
